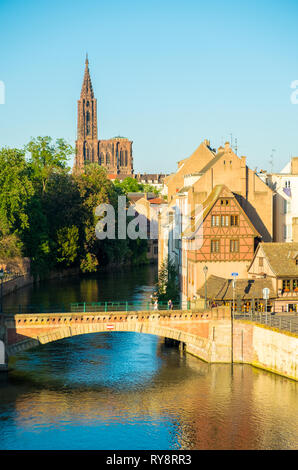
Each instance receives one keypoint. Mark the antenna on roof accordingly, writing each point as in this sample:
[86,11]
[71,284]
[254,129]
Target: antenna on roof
[231,141]
[236,146]
[271,160]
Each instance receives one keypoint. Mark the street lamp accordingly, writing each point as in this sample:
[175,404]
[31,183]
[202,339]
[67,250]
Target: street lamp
[1,277]
[205,269]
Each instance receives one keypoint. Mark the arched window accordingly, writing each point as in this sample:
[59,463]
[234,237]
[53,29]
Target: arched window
[108,159]
[121,158]
[88,123]
[86,152]
[101,159]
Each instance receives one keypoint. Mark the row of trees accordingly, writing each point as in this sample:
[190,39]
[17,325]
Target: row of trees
[48,214]
[131,185]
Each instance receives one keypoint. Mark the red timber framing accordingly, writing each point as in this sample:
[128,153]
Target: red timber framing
[228,234]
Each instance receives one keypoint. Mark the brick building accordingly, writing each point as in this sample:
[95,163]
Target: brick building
[113,154]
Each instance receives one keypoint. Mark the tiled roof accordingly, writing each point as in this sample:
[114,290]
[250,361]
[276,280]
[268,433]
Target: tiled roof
[157,200]
[282,258]
[219,288]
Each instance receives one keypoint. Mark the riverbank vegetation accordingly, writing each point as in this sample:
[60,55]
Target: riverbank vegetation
[48,214]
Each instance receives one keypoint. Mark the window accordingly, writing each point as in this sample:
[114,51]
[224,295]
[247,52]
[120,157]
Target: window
[296,261]
[286,284]
[224,220]
[214,246]
[224,202]
[101,159]
[215,221]
[234,246]
[295,284]
[88,123]
[155,250]
[287,206]
[287,231]
[234,220]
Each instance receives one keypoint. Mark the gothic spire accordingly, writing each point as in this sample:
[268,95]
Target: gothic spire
[87,90]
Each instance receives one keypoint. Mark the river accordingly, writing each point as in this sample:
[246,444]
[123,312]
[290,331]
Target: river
[118,391]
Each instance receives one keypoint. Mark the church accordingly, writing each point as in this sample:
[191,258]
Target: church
[113,154]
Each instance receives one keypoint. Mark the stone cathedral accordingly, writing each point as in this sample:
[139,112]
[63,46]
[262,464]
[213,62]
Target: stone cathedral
[113,154]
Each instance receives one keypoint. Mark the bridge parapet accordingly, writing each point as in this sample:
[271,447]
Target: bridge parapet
[79,317]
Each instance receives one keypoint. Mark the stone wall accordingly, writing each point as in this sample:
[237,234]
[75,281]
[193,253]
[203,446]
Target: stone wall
[257,345]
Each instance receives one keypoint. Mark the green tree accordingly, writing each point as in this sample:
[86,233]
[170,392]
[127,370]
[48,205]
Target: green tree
[10,246]
[94,188]
[16,190]
[129,185]
[167,286]
[67,245]
[48,157]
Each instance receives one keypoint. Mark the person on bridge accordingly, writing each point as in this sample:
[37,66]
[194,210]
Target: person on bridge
[170,305]
[156,305]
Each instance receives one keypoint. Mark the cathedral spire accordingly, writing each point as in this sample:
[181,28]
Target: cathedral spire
[87,90]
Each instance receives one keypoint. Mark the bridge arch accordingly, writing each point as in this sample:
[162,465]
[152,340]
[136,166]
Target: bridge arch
[153,328]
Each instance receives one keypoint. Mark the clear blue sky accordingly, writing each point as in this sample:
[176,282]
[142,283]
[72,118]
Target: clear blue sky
[166,74]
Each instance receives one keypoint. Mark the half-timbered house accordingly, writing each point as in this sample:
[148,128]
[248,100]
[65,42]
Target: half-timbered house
[220,237]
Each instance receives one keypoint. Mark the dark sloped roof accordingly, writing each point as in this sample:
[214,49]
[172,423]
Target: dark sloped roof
[219,288]
[211,163]
[282,257]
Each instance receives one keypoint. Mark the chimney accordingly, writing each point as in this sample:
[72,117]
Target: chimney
[294,166]
[207,142]
[244,185]
[227,147]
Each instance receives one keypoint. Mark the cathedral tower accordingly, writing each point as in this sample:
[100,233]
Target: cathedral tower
[86,144]
[113,154]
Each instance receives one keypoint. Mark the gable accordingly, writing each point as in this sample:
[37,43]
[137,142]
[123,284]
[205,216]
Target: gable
[200,157]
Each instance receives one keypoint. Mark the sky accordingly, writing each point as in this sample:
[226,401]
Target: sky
[166,75]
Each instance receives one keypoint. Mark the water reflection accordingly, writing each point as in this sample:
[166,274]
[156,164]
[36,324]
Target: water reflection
[124,390]
[133,284]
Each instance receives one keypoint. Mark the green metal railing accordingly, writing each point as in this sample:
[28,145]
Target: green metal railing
[125,306]
[105,306]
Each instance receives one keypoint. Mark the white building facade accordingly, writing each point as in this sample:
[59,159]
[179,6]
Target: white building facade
[285,207]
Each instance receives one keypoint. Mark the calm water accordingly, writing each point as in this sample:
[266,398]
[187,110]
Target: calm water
[129,391]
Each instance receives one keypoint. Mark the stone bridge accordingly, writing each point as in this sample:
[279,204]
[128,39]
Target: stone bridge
[210,335]
[196,331]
